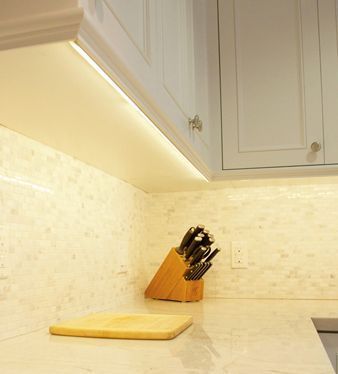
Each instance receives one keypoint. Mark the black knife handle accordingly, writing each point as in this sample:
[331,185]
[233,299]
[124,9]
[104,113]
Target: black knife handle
[197,232]
[194,244]
[207,252]
[189,272]
[198,271]
[195,251]
[198,255]
[186,239]
[199,228]
[212,255]
[208,240]
[200,275]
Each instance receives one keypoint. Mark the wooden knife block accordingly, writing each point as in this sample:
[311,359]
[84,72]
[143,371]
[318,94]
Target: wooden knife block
[169,283]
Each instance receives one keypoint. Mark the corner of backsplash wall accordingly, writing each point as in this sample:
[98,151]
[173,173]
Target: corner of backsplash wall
[75,240]
[289,226]
[71,237]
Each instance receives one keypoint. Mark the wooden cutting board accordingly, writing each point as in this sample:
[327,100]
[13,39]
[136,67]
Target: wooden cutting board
[124,326]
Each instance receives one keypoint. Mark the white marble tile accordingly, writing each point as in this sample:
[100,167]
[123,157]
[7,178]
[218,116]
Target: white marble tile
[289,226]
[73,236]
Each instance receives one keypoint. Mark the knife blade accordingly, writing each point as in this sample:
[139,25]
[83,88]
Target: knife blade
[186,239]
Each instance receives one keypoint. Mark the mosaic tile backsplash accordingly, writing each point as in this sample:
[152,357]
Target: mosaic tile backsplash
[71,237]
[290,228]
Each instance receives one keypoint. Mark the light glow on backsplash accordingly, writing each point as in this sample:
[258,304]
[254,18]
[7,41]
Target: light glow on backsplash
[19,181]
[289,227]
[68,250]
[79,246]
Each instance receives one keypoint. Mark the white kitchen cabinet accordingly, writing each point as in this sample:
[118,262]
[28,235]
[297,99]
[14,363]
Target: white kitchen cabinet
[181,32]
[328,28]
[262,77]
[177,54]
[182,47]
[270,83]
[149,48]
[155,50]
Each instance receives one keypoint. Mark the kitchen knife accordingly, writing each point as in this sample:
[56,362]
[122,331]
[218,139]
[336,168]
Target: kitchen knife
[197,275]
[200,235]
[197,232]
[193,253]
[187,273]
[186,239]
[199,228]
[198,255]
[194,244]
[195,270]
[208,240]
[212,255]
[191,271]
[200,275]
[207,252]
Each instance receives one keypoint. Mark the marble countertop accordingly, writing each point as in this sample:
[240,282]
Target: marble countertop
[227,336]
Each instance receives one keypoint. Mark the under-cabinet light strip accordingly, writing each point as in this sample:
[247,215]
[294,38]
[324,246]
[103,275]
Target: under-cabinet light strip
[107,78]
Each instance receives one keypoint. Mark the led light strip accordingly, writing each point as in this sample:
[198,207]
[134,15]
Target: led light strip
[107,78]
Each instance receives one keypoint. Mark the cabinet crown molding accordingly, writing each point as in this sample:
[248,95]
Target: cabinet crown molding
[40,28]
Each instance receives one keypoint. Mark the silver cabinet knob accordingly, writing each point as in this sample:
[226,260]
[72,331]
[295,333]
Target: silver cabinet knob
[316,147]
[196,123]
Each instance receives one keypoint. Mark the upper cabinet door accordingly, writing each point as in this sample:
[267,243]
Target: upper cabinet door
[181,49]
[149,49]
[178,67]
[328,26]
[134,17]
[270,83]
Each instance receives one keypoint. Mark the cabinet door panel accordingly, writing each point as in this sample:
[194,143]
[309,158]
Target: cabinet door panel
[149,48]
[133,16]
[182,32]
[271,93]
[178,53]
[328,24]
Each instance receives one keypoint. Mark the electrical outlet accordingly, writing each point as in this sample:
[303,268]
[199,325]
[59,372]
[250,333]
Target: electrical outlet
[239,255]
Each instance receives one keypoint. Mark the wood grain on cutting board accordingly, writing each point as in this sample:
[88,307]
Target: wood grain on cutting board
[124,326]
